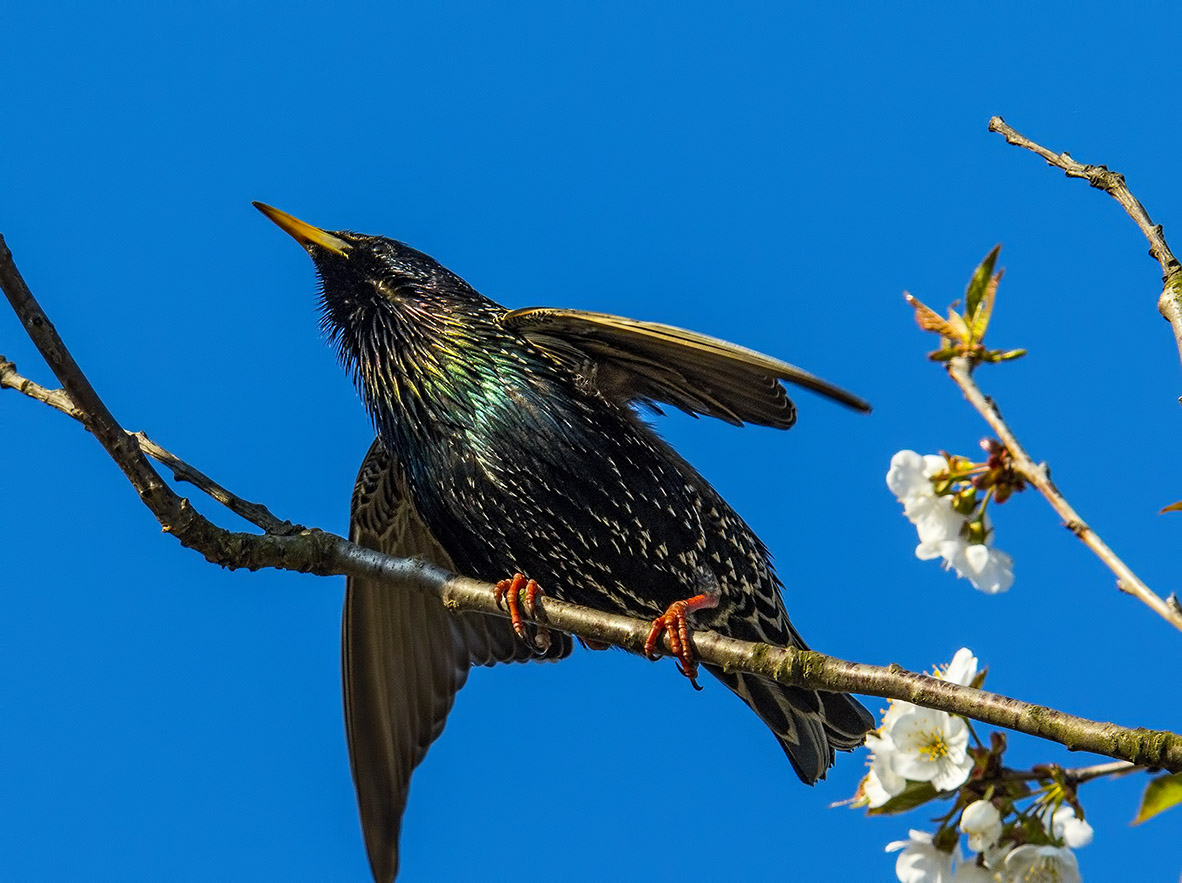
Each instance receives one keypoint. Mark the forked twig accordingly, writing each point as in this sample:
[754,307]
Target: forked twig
[960,370]
[1169,303]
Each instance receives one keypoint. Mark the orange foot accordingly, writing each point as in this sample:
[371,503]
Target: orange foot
[509,591]
[673,622]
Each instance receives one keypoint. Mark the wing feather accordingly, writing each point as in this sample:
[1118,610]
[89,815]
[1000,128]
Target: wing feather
[650,362]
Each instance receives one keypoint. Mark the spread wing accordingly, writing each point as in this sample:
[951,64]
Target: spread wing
[404,656]
[649,362]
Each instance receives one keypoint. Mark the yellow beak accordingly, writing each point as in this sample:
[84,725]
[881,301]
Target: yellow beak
[303,233]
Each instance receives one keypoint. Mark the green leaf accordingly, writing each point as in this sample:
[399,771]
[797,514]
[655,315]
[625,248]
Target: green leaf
[999,356]
[979,322]
[915,794]
[1162,793]
[980,283]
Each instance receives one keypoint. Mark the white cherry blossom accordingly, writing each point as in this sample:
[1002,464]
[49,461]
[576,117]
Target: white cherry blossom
[990,570]
[982,822]
[1073,831]
[1041,864]
[941,529]
[882,782]
[962,669]
[932,746]
[921,861]
[971,872]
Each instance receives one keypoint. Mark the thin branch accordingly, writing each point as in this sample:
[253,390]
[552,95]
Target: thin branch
[960,370]
[1079,774]
[255,513]
[1169,304]
[1088,773]
[317,552]
[55,398]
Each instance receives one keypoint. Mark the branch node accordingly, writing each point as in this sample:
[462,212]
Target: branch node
[1113,183]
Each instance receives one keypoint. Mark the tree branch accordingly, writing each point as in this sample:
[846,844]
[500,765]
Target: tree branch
[1099,770]
[960,369]
[314,551]
[255,513]
[1079,774]
[1169,304]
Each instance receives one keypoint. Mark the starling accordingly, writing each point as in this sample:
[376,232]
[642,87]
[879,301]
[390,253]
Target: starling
[510,444]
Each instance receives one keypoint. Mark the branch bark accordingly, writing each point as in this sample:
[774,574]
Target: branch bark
[1169,303]
[315,551]
[255,513]
[960,370]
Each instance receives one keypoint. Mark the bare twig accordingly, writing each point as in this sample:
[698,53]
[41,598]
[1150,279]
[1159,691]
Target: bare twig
[1079,774]
[255,513]
[314,551]
[1169,304]
[960,370]
[1099,770]
[55,398]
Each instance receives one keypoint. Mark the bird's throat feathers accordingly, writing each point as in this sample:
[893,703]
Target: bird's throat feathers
[437,370]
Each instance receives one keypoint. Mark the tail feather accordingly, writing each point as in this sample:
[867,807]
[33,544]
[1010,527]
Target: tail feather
[809,726]
[847,721]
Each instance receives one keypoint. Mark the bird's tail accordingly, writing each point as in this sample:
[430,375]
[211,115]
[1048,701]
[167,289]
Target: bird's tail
[810,726]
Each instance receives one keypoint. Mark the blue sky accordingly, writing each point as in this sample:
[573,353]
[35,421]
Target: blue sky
[776,177]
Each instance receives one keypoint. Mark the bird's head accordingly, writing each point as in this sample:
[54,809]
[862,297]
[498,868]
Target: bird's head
[403,324]
[359,272]
[373,286]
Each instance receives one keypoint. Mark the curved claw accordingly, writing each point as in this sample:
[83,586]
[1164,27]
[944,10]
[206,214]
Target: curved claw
[509,591]
[692,674]
[673,623]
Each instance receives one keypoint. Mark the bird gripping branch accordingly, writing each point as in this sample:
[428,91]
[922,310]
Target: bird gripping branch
[509,448]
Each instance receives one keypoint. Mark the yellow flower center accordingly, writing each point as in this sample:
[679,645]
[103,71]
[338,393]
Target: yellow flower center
[934,748]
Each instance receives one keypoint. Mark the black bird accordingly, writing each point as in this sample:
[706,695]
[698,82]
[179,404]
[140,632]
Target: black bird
[509,446]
